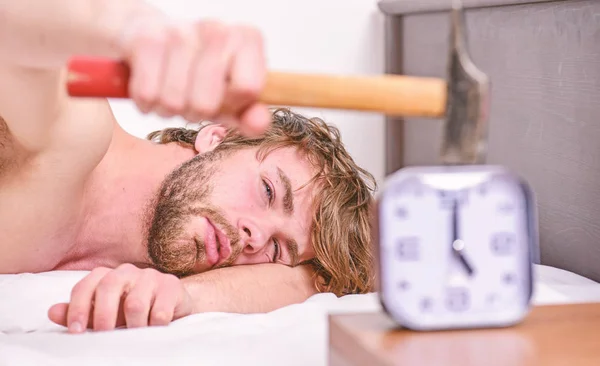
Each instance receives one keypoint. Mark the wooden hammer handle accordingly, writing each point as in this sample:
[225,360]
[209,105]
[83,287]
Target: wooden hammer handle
[390,94]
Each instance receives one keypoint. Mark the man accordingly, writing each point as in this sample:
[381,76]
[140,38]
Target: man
[256,211]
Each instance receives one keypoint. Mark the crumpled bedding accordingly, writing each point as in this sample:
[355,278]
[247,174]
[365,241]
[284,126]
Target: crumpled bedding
[293,335]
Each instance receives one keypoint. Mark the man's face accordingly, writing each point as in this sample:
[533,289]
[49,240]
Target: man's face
[222,209]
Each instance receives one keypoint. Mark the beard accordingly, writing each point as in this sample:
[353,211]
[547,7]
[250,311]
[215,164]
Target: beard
[184,195]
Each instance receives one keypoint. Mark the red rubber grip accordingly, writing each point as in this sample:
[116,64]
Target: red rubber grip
[97,77]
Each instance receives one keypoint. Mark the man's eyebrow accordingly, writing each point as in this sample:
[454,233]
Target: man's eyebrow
[293,251]
[288,198]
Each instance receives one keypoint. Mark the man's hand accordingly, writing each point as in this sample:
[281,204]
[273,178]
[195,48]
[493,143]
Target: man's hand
[198,70]
[125,296]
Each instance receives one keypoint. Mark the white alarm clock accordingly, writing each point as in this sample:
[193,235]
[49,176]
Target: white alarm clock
[455,246]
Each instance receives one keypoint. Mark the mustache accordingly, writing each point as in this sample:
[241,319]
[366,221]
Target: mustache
[228,229]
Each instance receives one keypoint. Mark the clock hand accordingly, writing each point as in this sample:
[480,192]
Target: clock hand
[454,221]
[457,244]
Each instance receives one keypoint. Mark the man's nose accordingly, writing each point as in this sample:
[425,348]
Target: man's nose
[253,237]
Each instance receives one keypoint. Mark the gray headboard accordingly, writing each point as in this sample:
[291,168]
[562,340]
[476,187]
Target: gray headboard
[543,58]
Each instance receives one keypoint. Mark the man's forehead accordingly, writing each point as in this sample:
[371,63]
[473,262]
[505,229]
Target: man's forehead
[294,164]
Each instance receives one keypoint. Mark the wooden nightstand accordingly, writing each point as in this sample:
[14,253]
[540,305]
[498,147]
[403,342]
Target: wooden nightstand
[550,335]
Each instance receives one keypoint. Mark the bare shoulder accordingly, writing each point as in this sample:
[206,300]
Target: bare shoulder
[49,146]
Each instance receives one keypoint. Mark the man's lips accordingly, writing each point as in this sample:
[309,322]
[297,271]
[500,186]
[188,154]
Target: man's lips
[222,244]
[211,247]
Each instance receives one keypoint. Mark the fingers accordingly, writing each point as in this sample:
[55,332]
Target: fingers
[166,300]
[183,45]
[199,71]
[139,300]
[209,81]
[127,296]
[107,298]
[255,119]
[82,296]
[147,59]
[58,313]
[248,75]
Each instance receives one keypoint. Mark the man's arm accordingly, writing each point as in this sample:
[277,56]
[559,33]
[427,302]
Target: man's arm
[36,40]
[45,34]
[171,63]
[50,143]
[134,297]
[250,289]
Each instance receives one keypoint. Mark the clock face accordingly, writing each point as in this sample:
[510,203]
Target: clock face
[454,247]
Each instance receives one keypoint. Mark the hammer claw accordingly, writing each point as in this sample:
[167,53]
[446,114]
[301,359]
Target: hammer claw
[465,131]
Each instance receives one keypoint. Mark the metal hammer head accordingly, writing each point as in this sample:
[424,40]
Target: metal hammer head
[465,132]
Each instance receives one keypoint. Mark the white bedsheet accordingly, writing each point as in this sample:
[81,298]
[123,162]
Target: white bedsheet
[294,335]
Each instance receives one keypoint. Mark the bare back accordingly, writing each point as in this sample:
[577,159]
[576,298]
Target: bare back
[49,146]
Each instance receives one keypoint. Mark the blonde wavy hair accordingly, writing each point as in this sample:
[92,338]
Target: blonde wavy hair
[341,231]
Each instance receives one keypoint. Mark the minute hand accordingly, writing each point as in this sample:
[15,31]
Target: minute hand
[457,244]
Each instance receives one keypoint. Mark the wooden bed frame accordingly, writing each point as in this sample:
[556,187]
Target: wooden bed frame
[543,58]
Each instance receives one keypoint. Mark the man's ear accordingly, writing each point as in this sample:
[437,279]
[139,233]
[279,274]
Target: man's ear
[209,137]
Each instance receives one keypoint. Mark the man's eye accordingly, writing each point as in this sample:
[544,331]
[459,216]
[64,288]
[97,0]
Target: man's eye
[268,191]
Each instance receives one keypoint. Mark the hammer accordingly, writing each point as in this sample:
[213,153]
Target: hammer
[462,99]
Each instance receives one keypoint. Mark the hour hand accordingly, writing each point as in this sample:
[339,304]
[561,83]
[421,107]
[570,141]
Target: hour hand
[457,247]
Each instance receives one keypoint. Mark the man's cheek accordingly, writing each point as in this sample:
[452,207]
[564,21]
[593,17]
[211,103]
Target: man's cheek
[240,195]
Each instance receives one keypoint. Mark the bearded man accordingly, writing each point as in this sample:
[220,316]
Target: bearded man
[255,211]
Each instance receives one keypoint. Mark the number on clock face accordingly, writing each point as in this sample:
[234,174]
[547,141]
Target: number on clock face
[460,246]
[407,248]
[502,242]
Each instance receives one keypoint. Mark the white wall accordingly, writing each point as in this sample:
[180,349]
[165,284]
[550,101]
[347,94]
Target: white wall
[330,36]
